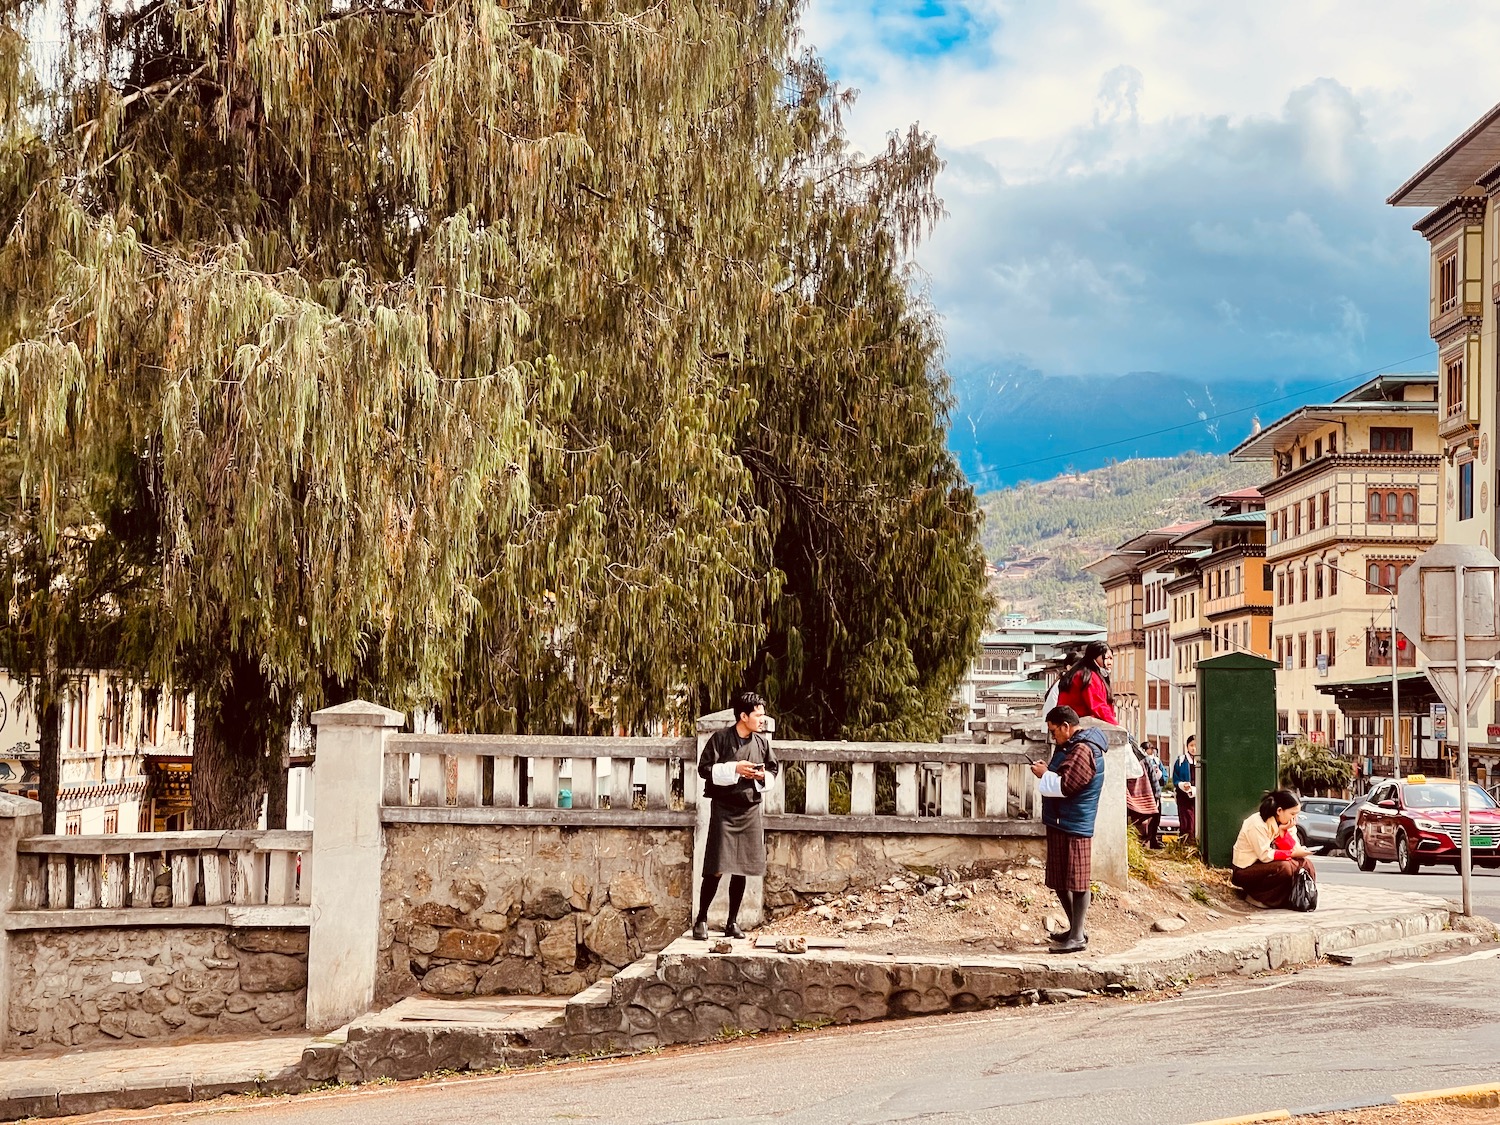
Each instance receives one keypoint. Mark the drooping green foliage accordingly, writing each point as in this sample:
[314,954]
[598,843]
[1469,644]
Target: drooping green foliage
[1312,767]
[550,361]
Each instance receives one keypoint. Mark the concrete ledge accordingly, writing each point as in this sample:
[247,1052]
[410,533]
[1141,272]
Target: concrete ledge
[563,818]
[904,825]
[272,917]
[1419,945]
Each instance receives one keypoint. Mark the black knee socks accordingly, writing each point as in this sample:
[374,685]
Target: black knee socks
[736,896]
[711,888]
[1077,911]
[706,896]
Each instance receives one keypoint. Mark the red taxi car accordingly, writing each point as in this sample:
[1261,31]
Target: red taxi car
[1412,821]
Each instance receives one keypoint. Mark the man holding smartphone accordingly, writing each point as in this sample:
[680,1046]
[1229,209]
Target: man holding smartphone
[733,767]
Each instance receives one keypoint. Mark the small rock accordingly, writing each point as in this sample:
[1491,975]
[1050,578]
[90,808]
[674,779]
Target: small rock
[723,945]
[1055,923]
[872,908]
[929,881]
[1115,989]
[951,893]
[900,885]
[423,938]
[1183,916]
[1213,915]
[1168,925]
[791,944]
[967,892]
[1063,995]
[1022,876]
[437,914]
[884,922]
[853,925]
[1032,861]
[823,912]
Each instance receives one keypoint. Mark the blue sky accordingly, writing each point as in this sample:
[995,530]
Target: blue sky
[1195,188]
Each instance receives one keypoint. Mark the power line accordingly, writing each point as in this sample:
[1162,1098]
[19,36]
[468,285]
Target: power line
[1211,418]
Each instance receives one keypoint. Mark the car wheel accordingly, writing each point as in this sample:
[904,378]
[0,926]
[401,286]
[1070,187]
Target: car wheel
[1301,835]
[1358,854]
[1408,863]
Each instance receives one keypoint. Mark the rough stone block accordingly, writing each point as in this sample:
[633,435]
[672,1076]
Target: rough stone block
[206,1004]
[272,972]
[240,1002]
[606,935]
[437,914]
[514,975]
[628,891]
[143,1025]
[281,1006]
[549,902]
[113,1025]
[523,940]
[423,938]
[466,945]
[450,980]
[269,941]
[559,948]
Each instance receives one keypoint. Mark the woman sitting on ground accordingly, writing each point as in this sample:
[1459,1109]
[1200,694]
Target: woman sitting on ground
[1267,856]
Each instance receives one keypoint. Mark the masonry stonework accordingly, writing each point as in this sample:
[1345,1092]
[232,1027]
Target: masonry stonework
[72,987]
[800,865]
[480,910]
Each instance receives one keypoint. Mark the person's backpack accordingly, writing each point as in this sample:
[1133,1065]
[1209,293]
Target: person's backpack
[1304,893]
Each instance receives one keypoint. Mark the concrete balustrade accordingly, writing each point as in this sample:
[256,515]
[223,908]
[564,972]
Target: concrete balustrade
[173,878]
[448,863]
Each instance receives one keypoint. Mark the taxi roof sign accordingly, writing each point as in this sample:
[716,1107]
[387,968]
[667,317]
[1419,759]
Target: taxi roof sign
[1416,779]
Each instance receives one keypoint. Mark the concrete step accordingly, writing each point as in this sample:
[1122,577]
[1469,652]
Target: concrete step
[1418,945]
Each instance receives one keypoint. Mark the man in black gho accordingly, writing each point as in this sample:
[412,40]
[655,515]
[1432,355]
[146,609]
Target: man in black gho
[733,767]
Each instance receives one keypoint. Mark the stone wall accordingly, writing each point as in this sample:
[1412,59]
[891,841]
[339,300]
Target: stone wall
[803,864]
[480,910]
[71,987]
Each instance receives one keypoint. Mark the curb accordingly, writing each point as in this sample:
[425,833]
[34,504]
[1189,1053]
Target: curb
[46,1100]
[1485,1095]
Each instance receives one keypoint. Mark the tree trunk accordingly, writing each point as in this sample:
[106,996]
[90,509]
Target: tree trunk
[49,765]
[234,738]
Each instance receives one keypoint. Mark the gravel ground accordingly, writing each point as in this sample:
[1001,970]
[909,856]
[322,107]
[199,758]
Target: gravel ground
[1410,1115]
[1009,910]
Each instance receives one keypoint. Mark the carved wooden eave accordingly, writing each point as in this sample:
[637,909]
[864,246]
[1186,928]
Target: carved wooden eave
[1465,210]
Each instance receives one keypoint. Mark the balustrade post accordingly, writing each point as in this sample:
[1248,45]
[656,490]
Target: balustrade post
[348,850]
[20,818]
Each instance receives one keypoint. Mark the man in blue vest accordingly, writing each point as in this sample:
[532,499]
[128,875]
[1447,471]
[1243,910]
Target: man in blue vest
[1070,784]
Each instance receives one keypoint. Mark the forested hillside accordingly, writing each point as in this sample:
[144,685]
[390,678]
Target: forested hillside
[1042,533]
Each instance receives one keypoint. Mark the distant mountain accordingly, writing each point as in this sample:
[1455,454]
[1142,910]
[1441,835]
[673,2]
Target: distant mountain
[1042,534]
[1015,424]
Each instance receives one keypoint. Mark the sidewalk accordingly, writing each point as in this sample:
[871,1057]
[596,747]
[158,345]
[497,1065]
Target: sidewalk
[482,1033]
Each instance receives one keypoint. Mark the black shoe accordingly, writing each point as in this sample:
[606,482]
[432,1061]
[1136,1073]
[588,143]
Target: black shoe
[1075,945]
[700,930]
[732,929]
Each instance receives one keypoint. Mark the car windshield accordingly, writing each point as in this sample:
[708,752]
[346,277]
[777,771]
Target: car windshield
[1436,796]
[1169,806]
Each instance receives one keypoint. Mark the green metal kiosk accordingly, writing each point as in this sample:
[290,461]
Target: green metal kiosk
[1236,747]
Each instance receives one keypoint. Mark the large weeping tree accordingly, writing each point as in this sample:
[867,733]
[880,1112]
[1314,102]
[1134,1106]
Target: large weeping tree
[433,345]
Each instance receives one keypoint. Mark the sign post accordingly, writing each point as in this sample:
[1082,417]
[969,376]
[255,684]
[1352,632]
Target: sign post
[1439,712]
[1450,609]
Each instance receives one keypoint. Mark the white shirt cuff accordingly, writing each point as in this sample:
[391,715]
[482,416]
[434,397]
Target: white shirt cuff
[1050,784]
[723,773]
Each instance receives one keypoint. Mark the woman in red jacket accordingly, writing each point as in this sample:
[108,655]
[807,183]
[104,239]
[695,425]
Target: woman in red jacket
[1085,686]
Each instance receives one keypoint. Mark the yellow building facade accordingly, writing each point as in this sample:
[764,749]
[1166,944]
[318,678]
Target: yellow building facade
[1353,497]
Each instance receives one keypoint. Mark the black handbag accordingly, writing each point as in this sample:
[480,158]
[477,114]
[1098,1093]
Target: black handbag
[1304,893]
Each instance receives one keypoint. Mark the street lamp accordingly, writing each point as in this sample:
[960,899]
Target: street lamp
[1395,687]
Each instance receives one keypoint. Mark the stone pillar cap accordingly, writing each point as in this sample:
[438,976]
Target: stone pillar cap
[358,713]
[721,720]
[13,806]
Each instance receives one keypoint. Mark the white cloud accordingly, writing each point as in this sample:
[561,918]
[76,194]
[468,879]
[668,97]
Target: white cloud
[1171,185]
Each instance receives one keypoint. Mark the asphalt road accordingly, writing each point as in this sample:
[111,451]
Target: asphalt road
[1326,1036]
[1484,887]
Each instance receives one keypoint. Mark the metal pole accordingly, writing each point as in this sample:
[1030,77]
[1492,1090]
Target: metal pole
[1395,699]
[1464,856]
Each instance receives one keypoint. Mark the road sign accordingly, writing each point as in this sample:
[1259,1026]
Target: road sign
[1426,610]
[1322,664]
[1439,712]
[1448,602]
